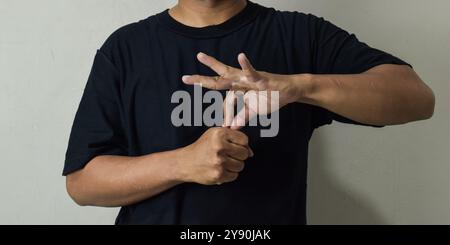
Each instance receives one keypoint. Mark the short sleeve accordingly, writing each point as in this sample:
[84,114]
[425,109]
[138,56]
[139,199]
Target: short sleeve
[336,51]
[98,125]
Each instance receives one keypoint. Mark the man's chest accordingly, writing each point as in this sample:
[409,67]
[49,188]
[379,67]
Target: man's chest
[154,90]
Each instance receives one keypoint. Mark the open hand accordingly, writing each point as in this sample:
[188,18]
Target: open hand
[263,92]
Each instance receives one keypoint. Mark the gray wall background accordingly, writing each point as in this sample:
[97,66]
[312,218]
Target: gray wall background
[395,175]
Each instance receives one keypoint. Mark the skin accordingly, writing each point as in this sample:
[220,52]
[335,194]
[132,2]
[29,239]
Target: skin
[201,13]
[384,95]
[217,157]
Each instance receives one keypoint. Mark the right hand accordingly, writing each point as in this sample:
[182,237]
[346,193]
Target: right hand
[258,88]
[217,157]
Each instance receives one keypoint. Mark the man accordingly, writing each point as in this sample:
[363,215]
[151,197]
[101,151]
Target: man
[125,152]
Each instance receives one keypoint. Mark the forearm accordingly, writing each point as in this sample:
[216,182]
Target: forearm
[114,181]
[385,95]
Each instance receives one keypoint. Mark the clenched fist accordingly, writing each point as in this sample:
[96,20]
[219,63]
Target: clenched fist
[217,157]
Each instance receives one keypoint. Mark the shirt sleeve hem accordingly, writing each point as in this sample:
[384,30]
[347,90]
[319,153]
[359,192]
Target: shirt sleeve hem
[73,164]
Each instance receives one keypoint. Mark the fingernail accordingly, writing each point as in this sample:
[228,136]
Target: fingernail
[251,152]
[201,54]
[185,78]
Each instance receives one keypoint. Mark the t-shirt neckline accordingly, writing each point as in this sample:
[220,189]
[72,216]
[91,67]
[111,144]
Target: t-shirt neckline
[239,20]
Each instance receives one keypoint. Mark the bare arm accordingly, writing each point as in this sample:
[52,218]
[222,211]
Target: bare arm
[384,95]
[111,181]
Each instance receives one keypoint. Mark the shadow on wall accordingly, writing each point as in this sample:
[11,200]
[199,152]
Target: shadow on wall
[329,202]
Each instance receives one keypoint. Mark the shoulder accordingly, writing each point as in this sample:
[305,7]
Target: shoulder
[298,18]
[295,21]
[304,25]
[128,42]
[126,35]
[294,25]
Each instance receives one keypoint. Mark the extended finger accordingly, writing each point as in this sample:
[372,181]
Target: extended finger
[248,112]
[247,67]
[213,63]
[244,86]
[228,108]
[215,83]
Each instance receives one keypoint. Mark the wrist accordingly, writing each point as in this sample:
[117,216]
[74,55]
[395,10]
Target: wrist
[178,167]
[302,87]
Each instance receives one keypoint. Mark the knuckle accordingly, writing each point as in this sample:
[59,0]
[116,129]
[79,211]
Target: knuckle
[234,177]
[238,156]
[227,69]
[218,132]
[218,147]
[240,167]
[245,155]
[219,161]
[216,175]
[244,138]
[210,132]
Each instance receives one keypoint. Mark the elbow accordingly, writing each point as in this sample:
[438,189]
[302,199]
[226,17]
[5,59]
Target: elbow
[73,187]
[417,106]
[428,102]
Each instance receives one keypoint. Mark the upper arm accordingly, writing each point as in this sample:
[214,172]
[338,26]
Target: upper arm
[335,51]
[98,125]
[338,52]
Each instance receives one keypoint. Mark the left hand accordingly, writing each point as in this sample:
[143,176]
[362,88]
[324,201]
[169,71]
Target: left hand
[256,86]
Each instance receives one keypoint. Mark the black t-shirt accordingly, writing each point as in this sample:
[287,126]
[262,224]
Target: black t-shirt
[126,109]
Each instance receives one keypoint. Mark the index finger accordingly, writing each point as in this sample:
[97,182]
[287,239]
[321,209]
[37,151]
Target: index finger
[215,83]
